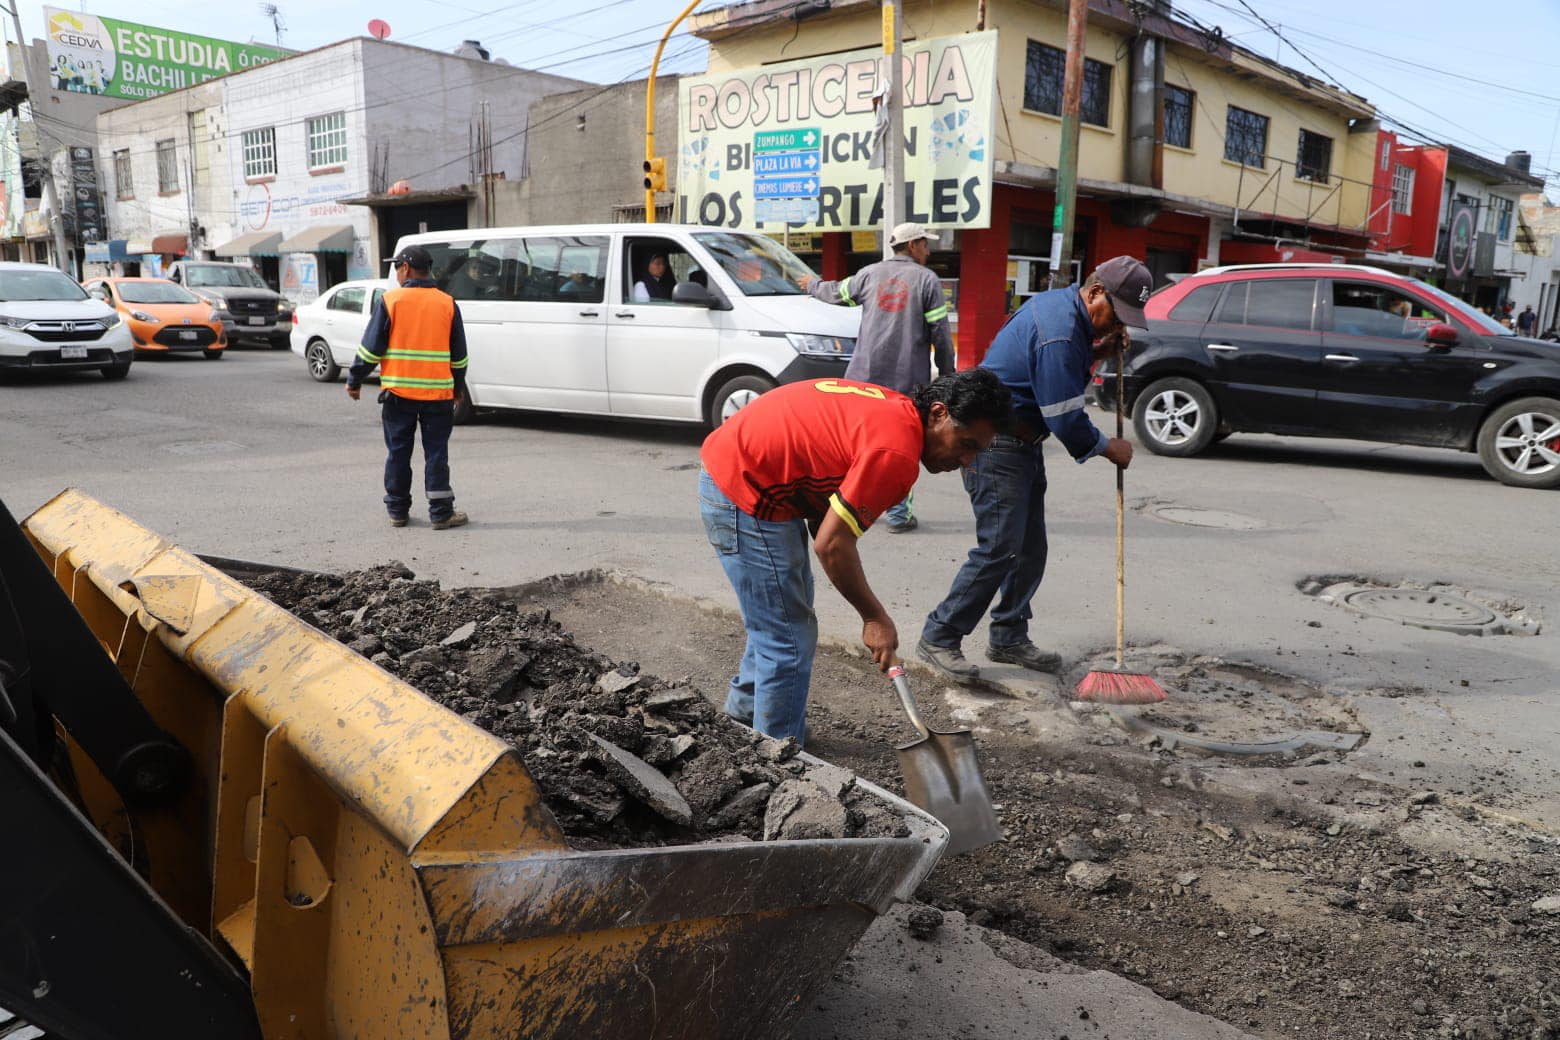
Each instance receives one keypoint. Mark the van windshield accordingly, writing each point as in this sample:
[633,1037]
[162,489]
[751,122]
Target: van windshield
[760,266]
[221,276]
[38,285]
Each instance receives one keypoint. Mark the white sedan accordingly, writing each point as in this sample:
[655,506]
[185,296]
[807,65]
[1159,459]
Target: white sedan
[327,332]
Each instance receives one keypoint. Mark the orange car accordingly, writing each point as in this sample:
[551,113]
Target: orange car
[163,316]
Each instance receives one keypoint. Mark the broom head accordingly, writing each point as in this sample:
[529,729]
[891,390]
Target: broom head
[1110,686]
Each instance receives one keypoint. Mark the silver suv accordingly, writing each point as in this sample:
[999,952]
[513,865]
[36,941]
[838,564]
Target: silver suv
[49,322]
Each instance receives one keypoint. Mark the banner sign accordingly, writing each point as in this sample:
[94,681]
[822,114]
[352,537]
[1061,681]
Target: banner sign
[88,206]
[14,204]
[1460,238]
[106,56]
[794,143]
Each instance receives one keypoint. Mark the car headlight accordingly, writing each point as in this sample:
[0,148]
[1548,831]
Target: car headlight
[214,316]
[150,319]
[113,321]
[14,323]
[821,346]
[217,301]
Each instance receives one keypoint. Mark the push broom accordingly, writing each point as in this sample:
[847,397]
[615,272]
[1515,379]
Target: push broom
[1117,685]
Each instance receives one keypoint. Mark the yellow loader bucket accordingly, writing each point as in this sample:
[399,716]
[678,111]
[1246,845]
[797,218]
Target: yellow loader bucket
[385,870]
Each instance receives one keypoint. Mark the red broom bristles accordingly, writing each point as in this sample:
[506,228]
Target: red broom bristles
[1111,687]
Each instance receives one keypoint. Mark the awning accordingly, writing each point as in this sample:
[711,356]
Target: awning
[256,243]
[170,243]
[106,252]
[138,246]
[321,238]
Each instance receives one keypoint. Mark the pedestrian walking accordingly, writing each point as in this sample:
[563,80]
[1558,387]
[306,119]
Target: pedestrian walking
[1044,356]
[904,318]
[820,461]
[416,338]
[1525,320]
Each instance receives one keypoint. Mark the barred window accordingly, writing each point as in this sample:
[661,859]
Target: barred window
[124,183]
[1178,116]
[1313,160]
[1245,137]
[1045,69]
[1499,219]
[327,136]
[1403,190]
[260,153]
[167,167]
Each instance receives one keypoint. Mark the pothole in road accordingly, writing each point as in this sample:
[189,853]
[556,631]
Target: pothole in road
[1230,708]
[1191,516]
[1438,607]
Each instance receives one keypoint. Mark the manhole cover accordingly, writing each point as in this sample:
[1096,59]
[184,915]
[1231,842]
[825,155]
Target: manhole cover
[1222,519]
[1439,610]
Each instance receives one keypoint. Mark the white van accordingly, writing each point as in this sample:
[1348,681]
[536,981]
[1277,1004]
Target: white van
[570,319]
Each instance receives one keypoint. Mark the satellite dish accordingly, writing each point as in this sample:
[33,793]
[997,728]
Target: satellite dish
[379,28]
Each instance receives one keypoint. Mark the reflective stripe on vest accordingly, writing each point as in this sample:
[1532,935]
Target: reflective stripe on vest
[416,364]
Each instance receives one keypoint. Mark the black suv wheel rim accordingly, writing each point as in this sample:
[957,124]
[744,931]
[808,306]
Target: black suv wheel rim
[1172,417]
[1529,443]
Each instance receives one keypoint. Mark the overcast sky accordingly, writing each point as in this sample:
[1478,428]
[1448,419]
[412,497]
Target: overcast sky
[1484,76]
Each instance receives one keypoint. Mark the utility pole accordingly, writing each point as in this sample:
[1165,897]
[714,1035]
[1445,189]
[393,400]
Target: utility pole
[654,165]
[894,160]
[51,192]
[1067,164]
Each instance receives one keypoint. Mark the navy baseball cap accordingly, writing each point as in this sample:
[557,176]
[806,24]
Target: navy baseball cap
[415,257]
[1129,284]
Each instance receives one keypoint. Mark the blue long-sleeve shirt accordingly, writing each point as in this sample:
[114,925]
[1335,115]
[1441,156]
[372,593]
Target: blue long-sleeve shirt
[1044,355]
[376,340]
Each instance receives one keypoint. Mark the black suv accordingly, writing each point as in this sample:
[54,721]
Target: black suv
[1337,350]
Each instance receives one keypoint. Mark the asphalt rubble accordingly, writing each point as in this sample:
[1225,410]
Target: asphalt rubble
[623,759]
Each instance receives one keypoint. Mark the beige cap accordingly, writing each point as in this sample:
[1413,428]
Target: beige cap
[909,233]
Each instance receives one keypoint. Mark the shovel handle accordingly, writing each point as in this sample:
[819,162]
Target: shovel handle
[906,701]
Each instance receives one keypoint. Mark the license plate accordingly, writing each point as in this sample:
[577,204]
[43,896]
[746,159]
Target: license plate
[190,334]
[73,353]
[256,321]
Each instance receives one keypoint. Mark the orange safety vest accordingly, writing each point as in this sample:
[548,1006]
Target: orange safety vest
[416,364]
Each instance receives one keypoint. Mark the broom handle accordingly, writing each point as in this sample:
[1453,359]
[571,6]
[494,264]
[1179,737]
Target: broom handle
[1121,541]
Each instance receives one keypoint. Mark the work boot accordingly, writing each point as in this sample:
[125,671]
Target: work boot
[948,660]
[456,519]
[1026,655]
[909,525]
[398,521]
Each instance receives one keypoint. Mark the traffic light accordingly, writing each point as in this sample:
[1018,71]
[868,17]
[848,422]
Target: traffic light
[655,174]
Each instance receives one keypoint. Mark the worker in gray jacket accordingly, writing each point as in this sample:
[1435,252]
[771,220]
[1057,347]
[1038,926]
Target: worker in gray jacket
[904,317]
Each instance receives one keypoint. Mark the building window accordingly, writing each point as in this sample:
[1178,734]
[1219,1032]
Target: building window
[1045,68]
[124,184]
[1499,219]
[1403,190]
[1313,159]
[328,141]
[260,153]
[167,168]
[1178,116]
[1245,137]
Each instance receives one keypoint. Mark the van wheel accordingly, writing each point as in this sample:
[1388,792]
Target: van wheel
[465,411]
[1175,417]
[322,367]
[1519,443]
[736,394]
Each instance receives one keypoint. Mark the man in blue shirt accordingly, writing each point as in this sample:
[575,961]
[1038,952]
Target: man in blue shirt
[1044,356]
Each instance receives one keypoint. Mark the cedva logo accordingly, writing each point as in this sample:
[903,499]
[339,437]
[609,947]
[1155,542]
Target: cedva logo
[67,29]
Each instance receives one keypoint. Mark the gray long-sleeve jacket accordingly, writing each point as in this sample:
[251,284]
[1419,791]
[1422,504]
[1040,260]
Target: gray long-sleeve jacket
[902,312]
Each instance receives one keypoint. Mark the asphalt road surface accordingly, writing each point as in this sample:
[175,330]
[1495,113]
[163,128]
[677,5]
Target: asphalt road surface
[249,458]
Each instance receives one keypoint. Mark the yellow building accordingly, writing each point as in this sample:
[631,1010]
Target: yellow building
[1192,150]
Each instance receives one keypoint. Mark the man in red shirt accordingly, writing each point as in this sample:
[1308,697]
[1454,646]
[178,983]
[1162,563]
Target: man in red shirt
[829,455]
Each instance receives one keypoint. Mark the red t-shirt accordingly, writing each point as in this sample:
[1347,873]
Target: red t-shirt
[805,448]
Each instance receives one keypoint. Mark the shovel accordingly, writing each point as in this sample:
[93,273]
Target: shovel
[943,777]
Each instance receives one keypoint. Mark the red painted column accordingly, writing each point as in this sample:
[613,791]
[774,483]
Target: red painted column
[983,281]
[836,255]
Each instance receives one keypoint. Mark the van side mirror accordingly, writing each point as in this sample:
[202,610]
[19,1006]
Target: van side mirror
[699,296]
[1441,335]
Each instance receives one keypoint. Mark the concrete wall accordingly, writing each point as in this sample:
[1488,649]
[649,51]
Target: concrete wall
[140,210]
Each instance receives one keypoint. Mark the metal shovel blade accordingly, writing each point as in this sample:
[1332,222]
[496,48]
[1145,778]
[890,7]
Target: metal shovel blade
[942,776]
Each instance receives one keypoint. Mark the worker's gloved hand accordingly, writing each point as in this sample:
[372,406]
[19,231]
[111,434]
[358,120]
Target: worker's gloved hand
[882,640]
[1119,451]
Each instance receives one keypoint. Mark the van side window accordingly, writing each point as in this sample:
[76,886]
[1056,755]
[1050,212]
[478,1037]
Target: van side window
[672,265]
[565,269]
[485,269]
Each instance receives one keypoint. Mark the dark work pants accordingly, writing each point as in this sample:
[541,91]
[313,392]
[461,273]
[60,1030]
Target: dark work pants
[401,418]
[1006,485]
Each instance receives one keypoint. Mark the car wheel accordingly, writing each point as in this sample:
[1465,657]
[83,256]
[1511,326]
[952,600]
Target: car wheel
[1175,417]
[465,411]
[734,395]
[213,355]
[118,370]
[1519,443]
[322,366]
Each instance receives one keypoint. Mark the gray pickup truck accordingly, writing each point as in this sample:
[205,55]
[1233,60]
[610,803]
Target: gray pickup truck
[250,310]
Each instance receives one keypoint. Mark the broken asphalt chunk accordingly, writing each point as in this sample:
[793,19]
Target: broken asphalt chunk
[641,780]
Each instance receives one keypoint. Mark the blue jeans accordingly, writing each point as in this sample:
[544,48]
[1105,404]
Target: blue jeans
[767,564]
[898,515]
[1006,485]
[401,417]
